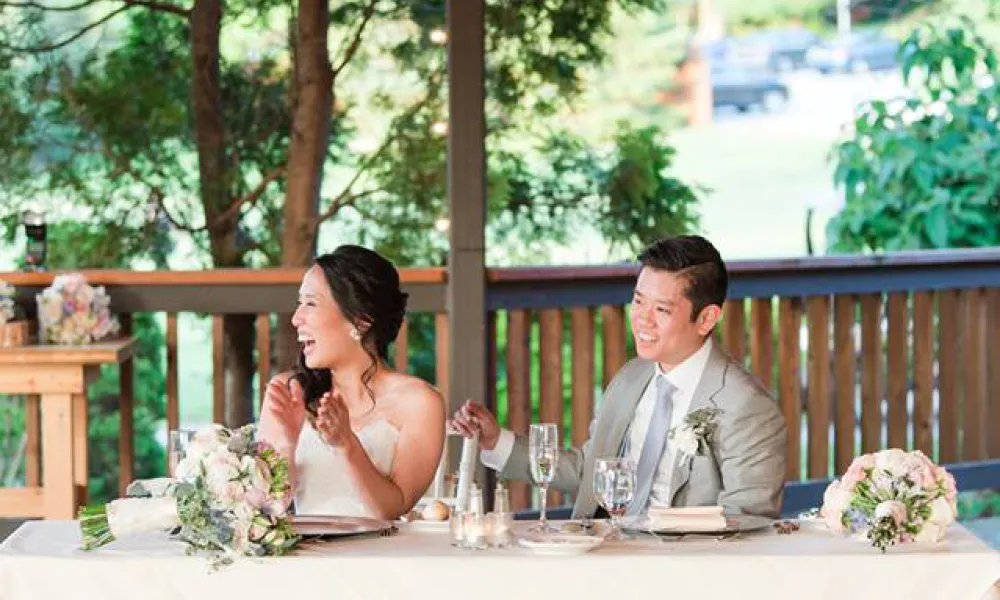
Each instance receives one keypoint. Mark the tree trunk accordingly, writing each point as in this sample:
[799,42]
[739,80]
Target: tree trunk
[313,95]
[206,92]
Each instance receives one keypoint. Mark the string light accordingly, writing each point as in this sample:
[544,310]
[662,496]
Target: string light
[438,36]
[442,224]
[439,128]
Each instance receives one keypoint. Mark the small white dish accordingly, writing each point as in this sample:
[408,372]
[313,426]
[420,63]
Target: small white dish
[424,525]
[560,544]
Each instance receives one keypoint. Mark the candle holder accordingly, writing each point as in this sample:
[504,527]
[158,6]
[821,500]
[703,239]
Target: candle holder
[456,528]
[474,530]
[499,529]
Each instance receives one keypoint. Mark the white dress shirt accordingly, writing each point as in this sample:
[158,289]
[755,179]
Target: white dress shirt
[684,377]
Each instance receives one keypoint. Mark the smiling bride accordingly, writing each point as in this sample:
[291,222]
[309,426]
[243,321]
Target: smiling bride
[342,416]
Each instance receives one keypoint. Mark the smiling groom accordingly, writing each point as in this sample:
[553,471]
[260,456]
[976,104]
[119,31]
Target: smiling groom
[728,437]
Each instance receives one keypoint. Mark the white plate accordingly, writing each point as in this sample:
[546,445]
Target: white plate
[560,544]
[734,523]
[422,525]
[334,526]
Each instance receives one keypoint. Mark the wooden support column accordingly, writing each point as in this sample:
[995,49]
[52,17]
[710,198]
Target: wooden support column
[466,291]
[466,296]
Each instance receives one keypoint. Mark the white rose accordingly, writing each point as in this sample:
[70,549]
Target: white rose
[942,512]
[209,434]
[687,441]
[893,509]
[836,499]
[892,460]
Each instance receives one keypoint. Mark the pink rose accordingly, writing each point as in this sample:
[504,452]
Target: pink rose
[950,491]
[856,472]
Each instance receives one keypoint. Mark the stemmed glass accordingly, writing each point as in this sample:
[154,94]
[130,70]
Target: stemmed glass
[543,454]
[614,486]
[178,442]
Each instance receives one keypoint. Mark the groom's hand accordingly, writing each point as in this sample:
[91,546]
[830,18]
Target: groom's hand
[474,418]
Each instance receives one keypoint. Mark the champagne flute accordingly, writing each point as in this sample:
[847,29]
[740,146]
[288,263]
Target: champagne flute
[614,486]
[543,454]
[178,441]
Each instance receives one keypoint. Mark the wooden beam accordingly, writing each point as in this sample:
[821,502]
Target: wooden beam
[218,370]
[58,455]
[22,502]
[790,382]
[126,404]
[263,355]
[32,450]
[466,294]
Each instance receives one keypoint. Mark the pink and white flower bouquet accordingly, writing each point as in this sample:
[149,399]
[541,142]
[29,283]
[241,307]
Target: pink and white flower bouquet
[230,498]
[892,497]
[72,312]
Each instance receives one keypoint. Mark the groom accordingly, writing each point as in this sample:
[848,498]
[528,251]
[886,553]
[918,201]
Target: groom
[680,377]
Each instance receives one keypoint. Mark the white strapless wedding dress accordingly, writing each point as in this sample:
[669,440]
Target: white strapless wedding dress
[322,485]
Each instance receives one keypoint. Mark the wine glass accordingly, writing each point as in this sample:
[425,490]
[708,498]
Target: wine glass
[543,454]
[614,486]
[177,446]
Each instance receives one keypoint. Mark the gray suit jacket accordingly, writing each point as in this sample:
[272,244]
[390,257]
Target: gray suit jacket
[743,471]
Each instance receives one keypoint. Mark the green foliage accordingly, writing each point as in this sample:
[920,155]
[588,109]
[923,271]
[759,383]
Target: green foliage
[132,165]
[542,193]
[924,172]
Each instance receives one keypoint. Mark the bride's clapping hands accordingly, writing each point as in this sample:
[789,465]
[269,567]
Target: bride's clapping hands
[284,412]
[333,421]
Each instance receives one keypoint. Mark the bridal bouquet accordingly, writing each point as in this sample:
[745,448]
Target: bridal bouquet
[230,497]
[72,312]
[892,497]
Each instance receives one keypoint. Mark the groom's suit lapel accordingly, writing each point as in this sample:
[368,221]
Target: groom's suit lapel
[625,407]
[712,381]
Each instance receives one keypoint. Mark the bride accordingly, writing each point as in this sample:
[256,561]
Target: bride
[342,417]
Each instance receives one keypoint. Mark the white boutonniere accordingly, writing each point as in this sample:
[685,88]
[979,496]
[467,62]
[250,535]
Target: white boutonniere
[692,435]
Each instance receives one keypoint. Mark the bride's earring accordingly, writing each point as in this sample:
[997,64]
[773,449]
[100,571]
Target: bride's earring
[355,334]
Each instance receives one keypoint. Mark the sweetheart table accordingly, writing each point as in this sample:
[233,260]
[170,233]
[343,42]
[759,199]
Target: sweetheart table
[42,560]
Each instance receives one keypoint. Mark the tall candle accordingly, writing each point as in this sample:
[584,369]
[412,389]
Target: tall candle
[466,472]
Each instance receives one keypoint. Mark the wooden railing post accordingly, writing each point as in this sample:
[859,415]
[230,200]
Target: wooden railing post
[126,402]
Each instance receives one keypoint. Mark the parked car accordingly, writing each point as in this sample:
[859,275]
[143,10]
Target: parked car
[785,49]
[743,88]
[774,49]
[861,52]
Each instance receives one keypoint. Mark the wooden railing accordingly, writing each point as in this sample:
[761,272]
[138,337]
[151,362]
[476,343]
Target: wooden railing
[861,352]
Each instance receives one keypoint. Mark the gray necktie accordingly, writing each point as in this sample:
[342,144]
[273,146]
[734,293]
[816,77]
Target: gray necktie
[652,448]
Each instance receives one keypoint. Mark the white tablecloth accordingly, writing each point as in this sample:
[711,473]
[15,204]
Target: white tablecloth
[42,560]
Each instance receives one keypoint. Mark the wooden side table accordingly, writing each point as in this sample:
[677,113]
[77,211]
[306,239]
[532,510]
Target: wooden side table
[60,376]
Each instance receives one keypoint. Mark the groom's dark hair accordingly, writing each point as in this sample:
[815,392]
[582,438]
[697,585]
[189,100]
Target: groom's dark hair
[696,260]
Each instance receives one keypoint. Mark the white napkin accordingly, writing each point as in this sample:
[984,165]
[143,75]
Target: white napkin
[687,518]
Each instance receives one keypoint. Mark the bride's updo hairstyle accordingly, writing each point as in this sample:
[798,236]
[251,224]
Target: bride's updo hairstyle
[366,288]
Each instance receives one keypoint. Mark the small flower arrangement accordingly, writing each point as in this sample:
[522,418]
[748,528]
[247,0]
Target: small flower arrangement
[8,307]
[72,312]
[892,497]
[230,498]
[693,434]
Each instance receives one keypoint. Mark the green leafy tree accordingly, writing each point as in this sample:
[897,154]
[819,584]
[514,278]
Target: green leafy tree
[924,171]
[249,153]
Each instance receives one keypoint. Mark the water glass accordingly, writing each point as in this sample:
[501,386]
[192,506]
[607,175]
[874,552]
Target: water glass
[614,486]
[543,456]
[177,446]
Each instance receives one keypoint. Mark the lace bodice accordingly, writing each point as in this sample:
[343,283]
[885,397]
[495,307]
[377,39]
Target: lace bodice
[323,486]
